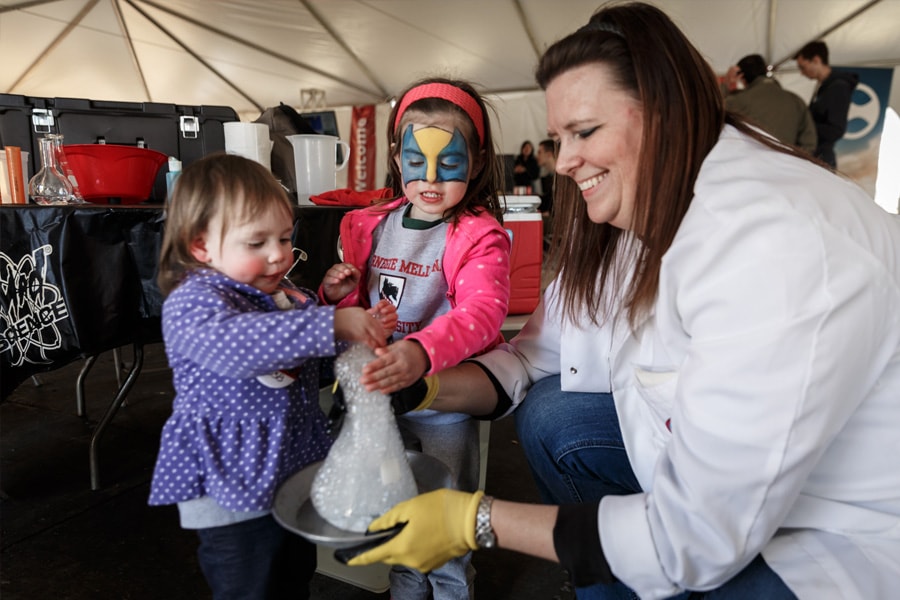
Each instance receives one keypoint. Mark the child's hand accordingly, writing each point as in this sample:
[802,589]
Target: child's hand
[385,312]
[397,366]
[340,280]
[355,324]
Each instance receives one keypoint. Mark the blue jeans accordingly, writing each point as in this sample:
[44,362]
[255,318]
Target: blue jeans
[575,450]
[455,445]
[256,560]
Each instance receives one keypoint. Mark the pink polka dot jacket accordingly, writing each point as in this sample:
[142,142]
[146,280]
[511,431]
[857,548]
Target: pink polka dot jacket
[476,268]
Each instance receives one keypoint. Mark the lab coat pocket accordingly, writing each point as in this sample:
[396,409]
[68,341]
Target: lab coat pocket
[657,389]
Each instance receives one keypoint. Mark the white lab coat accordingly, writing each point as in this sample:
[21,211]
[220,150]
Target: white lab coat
[773,354]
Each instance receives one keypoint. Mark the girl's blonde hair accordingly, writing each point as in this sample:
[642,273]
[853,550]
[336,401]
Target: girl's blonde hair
[234,187]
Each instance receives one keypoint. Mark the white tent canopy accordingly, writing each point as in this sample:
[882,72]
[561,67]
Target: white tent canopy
[251,54]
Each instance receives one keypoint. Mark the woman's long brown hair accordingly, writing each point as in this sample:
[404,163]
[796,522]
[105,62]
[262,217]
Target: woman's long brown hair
[604,269]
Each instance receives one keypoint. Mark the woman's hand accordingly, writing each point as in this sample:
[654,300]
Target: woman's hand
[355,324]
[397,366]
[440,525]
[340,280]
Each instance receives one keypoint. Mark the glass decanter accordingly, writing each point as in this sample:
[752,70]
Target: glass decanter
[49,185]
[366,471]
[64,168]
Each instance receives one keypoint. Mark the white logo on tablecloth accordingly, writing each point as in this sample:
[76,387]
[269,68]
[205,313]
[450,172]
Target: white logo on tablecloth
[30,309]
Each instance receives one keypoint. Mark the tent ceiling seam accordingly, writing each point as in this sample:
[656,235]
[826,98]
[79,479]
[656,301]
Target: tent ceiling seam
[343,44]
[836,25]
[258,48]
[196,56]
[24,5]
[56,41]
[123,26]
[526,27]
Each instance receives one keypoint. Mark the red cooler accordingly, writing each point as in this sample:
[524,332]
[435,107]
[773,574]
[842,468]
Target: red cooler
[526,229]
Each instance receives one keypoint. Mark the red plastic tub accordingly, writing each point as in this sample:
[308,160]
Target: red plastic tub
[108,173]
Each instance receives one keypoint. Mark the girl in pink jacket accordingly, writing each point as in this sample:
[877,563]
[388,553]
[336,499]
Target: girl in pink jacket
[439,253]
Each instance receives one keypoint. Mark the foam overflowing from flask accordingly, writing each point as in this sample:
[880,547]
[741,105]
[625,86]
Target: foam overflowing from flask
[366,471]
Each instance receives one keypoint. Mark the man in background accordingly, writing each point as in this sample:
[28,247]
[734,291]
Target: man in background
[763,101]
[831,101]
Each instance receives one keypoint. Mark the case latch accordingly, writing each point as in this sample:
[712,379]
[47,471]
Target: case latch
[42,120]
[190,127]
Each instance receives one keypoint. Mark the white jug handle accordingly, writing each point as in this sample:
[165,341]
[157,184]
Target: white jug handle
[346,148]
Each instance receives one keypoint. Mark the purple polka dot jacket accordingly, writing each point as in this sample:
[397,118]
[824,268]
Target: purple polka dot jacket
[234,435]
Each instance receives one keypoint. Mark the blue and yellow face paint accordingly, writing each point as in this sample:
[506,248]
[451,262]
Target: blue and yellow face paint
[433,154]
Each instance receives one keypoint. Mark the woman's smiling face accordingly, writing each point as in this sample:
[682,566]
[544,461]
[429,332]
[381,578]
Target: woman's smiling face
[599,128]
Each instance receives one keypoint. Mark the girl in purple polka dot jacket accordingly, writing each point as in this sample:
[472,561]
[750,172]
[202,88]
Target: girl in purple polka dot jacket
[247,349]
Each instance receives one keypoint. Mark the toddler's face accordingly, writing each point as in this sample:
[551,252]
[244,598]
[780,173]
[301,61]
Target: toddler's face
[435,164]
[257,252]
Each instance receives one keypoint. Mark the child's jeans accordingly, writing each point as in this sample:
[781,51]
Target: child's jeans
[457,446]
[256,560]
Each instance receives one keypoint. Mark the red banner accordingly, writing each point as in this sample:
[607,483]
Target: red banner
[361,168]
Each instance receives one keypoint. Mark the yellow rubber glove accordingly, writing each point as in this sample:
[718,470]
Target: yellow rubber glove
[440,525]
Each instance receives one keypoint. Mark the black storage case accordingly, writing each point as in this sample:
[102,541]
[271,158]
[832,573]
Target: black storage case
[185,132]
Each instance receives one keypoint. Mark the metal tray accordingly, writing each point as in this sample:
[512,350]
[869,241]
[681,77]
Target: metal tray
[294,509]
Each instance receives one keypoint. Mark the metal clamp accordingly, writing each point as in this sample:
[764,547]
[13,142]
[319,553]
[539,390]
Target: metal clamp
[42,120]
[190,126]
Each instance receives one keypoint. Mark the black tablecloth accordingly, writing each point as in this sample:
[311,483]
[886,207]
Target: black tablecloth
[79,280]
[75,281]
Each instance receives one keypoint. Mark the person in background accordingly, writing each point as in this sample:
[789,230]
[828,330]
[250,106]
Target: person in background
[546,159]
[246,348]
[831,102]
[525,167]
[761,100]
[438,252]
[709,394]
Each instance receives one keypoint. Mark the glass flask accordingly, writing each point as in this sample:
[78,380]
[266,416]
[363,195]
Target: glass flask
[49,185]
[366,471]
[64,168]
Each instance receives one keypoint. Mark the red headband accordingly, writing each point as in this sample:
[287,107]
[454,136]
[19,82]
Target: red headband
[447,92]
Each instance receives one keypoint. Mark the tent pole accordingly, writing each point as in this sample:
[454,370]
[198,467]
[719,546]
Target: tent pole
[770,44]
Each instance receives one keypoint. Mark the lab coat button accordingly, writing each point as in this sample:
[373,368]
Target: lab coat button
[573,370]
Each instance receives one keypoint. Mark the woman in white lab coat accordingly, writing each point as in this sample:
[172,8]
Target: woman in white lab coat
[712,384]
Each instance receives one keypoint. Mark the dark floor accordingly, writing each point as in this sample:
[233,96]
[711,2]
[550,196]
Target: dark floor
[62,540]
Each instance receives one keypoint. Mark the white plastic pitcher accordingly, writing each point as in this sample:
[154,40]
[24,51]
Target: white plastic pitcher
[315,163]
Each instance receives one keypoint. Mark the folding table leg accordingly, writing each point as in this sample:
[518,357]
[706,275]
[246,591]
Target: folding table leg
[79,384]
[111,412]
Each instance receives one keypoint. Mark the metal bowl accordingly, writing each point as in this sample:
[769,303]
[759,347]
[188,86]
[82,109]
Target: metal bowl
[294,509]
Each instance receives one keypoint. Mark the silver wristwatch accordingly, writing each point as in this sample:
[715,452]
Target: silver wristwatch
[484,533]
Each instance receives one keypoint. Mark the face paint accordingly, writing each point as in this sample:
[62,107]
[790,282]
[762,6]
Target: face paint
[434,155]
